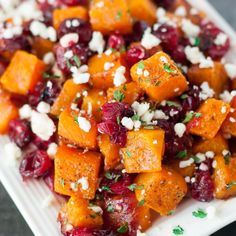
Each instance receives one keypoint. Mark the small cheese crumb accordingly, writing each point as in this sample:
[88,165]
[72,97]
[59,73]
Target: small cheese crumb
[25,112]
[84,183]
[223,109]
[194,55]
[181,11]
[139,233]
[84,124]
[231,70]
[180,129]
[183,164]
[206,63]
[206,91]
[187,179]
[203,167]
[160,115]
[201,157]
[232,120]
[108,65]
[97,42]
[149,40]
[214,164]
[155,141]
[80,75]
[69,38]
[13,153]
[96,209]
[221,39]
[191,30]
[140,108]
[43,107]
[127,123]
[49,58]
[119,77]
[210,154]
[52,150]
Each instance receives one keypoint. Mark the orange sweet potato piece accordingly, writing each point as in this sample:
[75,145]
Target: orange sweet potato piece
[216,145]
[76,172]
[109,150]
[59,15]
[93,101]
[159,77]
[112,16]
[67,96]
[24,71]
[143,151]
[131,92]
[229,125]
[101,78]
[78,213]
[70,129]
[224,177]
[8,110]
[162,191]
[212,117]
[41,46]
[215,76]
[144,10]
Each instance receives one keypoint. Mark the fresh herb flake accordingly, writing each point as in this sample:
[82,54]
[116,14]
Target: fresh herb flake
[123,228]
[118,120]
[181,154]
[184,96]
[106,188]
[50,76]
[118,15]
[77,61]
[62,182]
[200,213]
[119,96]
[188,117]
[197,42]
[141,65]
[128,153]
[168,69]
[198,115]
[227,158]
[141,203]
[132,187]
[172,104]
[178,230]
[230,185]
[110,209]
[135,118]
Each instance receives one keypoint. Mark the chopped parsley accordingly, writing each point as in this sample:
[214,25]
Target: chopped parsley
[172,104]
[118,15]
[230,185]
[77,61]
[119,96]
[141,203]
[198,115]
[106,188]
[62,182]
[181,154]
[184,96]
[132,187]
[149,127]
[197,42]
[227,158]
[118,120]
[135,117]
[141,65]
[110,209]
[123,228]
[178,230]
[112,176]
[200,213]
[128,153]
[196,159]
[190,115]
[171,212]
[75,117]
[50,76]
[168,69]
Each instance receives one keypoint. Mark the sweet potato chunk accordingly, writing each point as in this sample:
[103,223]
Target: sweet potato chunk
[229,125]
[159,77]
[215,76]
[93,101]
[102,77]
[216,145]
[162,191]
[8,110]
[143,10]
[144,150]
[76,172]
[112,16]
[78,213]
[59,15]
[69,128]
[24,71]
[213,113]
[109,150]
[41,46]
[130,93]
[225,177]
[68,94]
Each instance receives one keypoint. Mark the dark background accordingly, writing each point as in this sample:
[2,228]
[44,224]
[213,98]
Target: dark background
[11,221]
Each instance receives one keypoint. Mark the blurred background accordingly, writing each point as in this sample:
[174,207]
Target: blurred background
[11,221]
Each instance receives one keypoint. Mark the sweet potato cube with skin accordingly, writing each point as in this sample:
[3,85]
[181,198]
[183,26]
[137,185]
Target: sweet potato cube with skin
[112,16]
[129,93]
[216,145]
[93,101]
[79,129]
[8,111]
[229,125]
[215,76]
[102,69]
[67,96]
[143,10]
[159,77]
[109,150]
[59,15]
[212,113]
[76,172]
[78,213]
[24,71]
[162,191]
[224,177]
[143,151]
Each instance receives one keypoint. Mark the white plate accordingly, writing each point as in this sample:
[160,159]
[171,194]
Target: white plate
[29,197]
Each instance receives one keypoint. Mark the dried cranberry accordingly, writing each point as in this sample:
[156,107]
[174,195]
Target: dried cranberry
[47,8]
[116,41]
[42,144]
[35,164]
[164,3]
[74,2]
[172,111]
[49,179]
[82,28]
[179,55]
[203,187]
[20,132]
[90,232]
[135,54]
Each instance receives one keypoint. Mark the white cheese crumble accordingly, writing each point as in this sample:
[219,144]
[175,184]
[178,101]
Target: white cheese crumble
[149,40]
[227,96]
[119,77]
[42,125]
[52,150]
[187,179]
[80,75]
[201,157]
[220,39]
[84,124]
[206,63]
[160,115]
[206,91]
[43,107]
[223,109]
[68,38]
[232,120]
[96,209]
[180,129]
[13,153]
[203,167]
[210,154]
[97,43]
[161,15]
[230,70]
[194,55]
[127,123]
[139,233]
[25,111]
[181,11]
[191,30]
[214,164]
[84,183]
[108,65]
[49,58]
[140,108]
[147,117]
[186,163]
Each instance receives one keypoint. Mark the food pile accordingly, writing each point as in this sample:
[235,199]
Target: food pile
[123,107]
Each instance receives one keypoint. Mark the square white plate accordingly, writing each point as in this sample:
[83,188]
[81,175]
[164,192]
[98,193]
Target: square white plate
[29,197]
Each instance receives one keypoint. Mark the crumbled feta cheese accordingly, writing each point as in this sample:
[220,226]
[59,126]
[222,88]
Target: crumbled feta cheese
[42,125]
[90,108]
[137,124]
[227,96]
[108,52]
[79,75]
[68,38]
[74,107]
[127,123]
[161,15]
[75,23]
[214,164]
[69,54]
[13,153]
[149,40]
[211,212]
[206,63]
[84,124]
[139,233]
[52,150]
[180,11]
[84,183]
[221,39]
[96,209]
[139,71]
[155,141]
[194,55]
[108,65]
[147,117]
[231,70]
[203,167]
[48,201]
[201,157]
[119,77]
[100,4]
[49,58]
[223,109]
[210,154]
[206,91]
[191,30]
[49,84]
[180,129]
[97,42]
[163,59]
[232,120]
[193,11]
[140,108]
[186,163]
[25,112]
[146,73]
[160,115]
[43,107]
[187,179]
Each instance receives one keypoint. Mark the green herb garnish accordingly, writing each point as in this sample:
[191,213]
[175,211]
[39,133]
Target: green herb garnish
[230,185]
[128,153]
[168,69]
[188,117]
[227,158]
[200,213]
[172,104]
[171,212]
[106,188]
[110,209]
[181,154]
[141,65]
[132,187]
[112,176]
[184,96]
[62,182]
[77,61]
[123,228]
[178,230]
[141,203]
[119,96]
[196,42]
[50,76]
[118,15]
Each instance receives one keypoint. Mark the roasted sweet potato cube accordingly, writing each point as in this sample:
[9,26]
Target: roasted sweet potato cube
[112,16]
[41,46]
[8,110]
[78,213]
[162,191]
[215,76]
[159,77]
[127,93]
[24,71]
[102,69]
[109,150]
[216,145]
[70,93]
[79,129]
[212,112]
[229,125]
[59,15]
[143,151]
[143,10]
[224,177]
[76,172]
[93,101]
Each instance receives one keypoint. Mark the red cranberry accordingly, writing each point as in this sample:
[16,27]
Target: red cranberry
[135,54]
[90,232]
[20,132]
[172,111]
[35,164]
[74,2]
[49,179]
[203,187]
[116,41]
[42,144]
[164,3]
[179,55]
